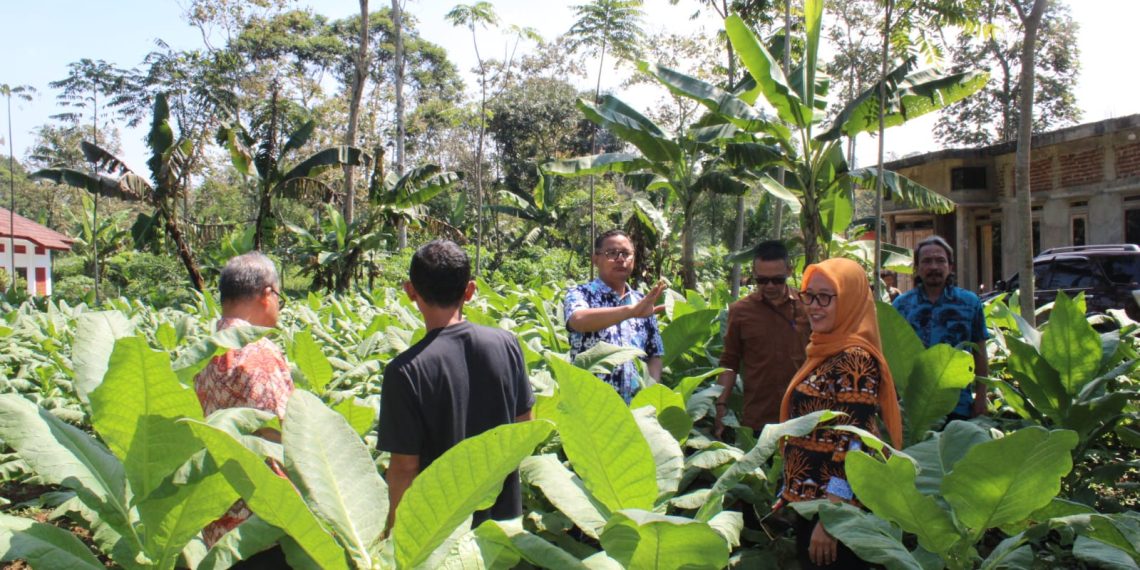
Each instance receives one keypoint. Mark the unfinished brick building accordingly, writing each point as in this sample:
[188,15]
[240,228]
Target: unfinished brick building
[1085,185]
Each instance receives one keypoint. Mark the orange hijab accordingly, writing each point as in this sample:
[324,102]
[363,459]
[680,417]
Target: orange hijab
[855,325]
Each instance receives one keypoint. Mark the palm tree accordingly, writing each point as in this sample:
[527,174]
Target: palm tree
[605,25]
[479,14]
[23,92]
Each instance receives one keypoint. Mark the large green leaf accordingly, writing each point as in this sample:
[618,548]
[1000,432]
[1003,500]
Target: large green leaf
[466,478]
[1070,345]
[632,127]
[307,355]
[767,72]
[1005,480]
[780,192]
[359,416]
[61,454]
[938,377]
[753,462]
[175,513]
[1037,379]
[936,456]
[273,498]
[620,162]
[130,187]
[602,440]
[910,94]
[667,454]
[871,538]
[136,409]
[95,336]
[712,97]
[603,357]
[900,344]
[903,190]
[565,491]
[641,539]
[332,467]
[888,489]
[43,545]
[539,552]
[324,158]
[670,409]
[1101,555]
[687,332]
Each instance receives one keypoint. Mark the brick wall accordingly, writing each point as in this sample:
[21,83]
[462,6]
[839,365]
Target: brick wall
[1128,160]
[1041,174]
[1080,168]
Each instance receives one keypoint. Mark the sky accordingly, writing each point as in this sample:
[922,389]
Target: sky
[42,37]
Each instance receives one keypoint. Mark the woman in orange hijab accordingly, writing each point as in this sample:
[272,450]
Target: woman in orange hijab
[845,372]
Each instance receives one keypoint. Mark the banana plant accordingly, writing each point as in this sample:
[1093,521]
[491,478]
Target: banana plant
[820,181]
[273,179]
[400,200]
[108,238]
[330,255]
[170,163]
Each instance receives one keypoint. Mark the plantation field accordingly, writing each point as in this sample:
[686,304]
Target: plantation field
[102,438]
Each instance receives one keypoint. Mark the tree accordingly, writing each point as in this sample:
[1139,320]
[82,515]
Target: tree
[602,25]
[472,16]
[22,92]
[993,116]
[398,65]
[1030,21]
[112,178]
[85,82]
[359,76]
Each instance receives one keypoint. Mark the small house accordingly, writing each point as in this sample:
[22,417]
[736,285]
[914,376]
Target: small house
[25,250]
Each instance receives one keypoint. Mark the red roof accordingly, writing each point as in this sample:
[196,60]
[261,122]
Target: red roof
[33,232]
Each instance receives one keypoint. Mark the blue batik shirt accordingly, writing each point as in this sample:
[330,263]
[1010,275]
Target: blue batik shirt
[639,333]
[956,318]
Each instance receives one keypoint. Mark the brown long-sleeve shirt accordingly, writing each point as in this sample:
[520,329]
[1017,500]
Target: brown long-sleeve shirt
[765,345]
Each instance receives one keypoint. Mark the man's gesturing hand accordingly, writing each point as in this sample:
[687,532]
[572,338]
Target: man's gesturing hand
[647,306]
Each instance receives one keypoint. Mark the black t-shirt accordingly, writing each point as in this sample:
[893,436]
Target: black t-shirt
[458,382]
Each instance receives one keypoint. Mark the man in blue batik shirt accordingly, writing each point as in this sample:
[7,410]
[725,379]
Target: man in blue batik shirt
[941,312]
[608,310]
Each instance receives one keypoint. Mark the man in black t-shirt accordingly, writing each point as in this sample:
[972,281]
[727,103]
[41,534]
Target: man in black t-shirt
[461,380]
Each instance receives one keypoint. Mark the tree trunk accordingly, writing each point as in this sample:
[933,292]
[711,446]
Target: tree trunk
[778,219]
[882,146]
[183,248]
[360,75]
[1024,143]
[688,242]
[264,182]
[479,155]
[398,36]
[594,148]
[738,235]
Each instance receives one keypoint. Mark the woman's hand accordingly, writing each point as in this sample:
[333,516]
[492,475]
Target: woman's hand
[823,548]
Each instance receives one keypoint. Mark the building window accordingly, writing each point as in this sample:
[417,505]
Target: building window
[1132,226]
[1079,223]
[968,178]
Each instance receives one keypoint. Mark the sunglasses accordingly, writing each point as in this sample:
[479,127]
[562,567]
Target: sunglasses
[821,299]
[615,254]
[775,280]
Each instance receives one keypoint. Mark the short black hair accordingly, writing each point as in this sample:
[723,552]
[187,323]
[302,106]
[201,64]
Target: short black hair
[440,272]
[771,250]
[246,277]
[934,240]
[602,237]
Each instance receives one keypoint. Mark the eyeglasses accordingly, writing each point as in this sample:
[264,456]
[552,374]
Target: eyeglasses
[774,280]
[821,299]
[615,254]
[280,298]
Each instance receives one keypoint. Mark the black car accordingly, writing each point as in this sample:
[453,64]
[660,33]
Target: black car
[1107,274]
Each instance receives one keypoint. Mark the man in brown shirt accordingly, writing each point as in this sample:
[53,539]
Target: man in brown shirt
[767,333]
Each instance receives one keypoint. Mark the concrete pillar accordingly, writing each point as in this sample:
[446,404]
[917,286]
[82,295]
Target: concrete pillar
[1106,219]
[964,265]
[1010,230]
[1055,224]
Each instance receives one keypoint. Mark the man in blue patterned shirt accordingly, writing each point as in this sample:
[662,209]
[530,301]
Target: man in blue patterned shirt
[941,312]
[607,309]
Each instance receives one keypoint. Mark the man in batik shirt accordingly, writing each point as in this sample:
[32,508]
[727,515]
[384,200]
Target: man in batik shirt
[255,376]
[607,310]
